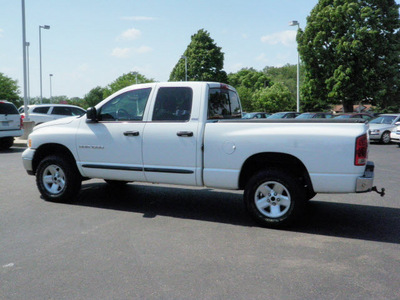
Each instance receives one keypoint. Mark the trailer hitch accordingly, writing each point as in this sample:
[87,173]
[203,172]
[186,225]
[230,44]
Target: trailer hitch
[382,192]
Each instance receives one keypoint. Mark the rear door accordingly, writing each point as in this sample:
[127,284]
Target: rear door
[171,139]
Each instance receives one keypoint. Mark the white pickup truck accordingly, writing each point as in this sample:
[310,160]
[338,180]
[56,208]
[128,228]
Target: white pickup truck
[191,133]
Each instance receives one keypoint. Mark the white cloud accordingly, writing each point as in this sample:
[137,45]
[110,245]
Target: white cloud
[138,18]
[127,52]
[121,52]
[83,67]
[130,34]
[262,57]
[143,49]
[286,38]
[1,33]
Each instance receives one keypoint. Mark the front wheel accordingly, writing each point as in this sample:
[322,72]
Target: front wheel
[274,198]
[385,139]
[58,179]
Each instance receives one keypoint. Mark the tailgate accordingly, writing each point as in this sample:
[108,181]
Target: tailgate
[9,122]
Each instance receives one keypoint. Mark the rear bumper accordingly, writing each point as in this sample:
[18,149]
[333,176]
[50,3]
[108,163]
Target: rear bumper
[364,183]
[11,133]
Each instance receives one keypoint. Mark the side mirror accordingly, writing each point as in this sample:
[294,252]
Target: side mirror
[397,123]
[91,114]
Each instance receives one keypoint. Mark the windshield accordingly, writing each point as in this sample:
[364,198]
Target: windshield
[343,117]
[305,116]
[277,116]
[383,120]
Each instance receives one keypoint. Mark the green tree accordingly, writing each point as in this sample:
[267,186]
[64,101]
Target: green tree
[94,96]
[350,50]
[205,60]
[9,89]
[247,81]
[286,75]
[124,81]
[273,99]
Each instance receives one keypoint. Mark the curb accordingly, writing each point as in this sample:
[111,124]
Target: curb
[18,142]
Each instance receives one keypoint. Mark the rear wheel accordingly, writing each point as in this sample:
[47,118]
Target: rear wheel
[58,179]
[274,198]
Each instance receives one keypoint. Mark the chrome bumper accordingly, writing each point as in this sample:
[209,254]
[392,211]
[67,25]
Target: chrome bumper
[364,183]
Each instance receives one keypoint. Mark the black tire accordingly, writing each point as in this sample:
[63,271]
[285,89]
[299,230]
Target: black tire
[6,143]
[385,139]
[274,198]
[58,179]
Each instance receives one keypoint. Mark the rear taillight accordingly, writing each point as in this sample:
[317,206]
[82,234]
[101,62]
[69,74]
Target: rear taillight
[21,122]
[361,154]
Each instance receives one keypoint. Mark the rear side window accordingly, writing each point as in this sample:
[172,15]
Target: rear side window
[63,111]
[41,110]
[8,109]
[173,104]
[223,104]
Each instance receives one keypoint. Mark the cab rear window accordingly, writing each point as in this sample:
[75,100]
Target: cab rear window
[223,104]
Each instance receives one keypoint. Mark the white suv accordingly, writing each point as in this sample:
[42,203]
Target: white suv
[10,124]
[48,112]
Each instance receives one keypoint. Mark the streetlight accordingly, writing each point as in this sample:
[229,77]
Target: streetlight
[296,23]
[135,73]
[51,98]
[27,44]
[24,59]
[185,58]
[40,58]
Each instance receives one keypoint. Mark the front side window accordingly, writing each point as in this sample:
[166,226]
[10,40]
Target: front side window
[223,104]
[128,106]
[173,104]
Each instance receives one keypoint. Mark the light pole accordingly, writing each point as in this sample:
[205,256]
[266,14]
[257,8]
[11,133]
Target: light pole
[51,97]
[296,23]
[135,73]
[24,59]
[27,59]
[185,58]
[40,58]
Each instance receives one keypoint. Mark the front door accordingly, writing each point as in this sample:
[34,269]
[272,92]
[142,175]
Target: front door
[112,147]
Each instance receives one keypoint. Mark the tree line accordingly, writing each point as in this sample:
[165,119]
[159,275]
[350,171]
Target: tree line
[350,54]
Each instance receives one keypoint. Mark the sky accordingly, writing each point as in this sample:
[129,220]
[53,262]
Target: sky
[91,43]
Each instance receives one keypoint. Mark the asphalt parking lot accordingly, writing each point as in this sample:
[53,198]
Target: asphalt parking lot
[163,242]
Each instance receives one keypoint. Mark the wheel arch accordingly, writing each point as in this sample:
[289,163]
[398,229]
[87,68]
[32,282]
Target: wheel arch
[51,149]
[275,160]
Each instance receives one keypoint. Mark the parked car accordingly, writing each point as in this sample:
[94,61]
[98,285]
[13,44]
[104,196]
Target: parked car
[395,134]
[255,115]
[318,115]
[284,115]
[10,124]
[363,116]
[380,127]
[47,112]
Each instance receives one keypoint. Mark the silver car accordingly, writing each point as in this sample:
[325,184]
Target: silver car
[380,127]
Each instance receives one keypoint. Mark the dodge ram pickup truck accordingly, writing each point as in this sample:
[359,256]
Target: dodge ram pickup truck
[191,133]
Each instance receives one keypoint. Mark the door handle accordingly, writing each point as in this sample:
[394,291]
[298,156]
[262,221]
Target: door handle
[131,133]
[184,133]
